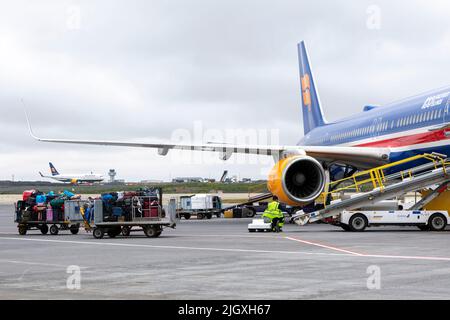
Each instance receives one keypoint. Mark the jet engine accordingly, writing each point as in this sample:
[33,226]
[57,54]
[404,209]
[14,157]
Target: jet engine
[297,180]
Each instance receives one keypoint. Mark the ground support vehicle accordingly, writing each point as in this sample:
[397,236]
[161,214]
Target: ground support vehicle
[151,220]
[201,205]
[48,220]
[424,220]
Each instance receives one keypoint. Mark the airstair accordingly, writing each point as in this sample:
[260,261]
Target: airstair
[372,186]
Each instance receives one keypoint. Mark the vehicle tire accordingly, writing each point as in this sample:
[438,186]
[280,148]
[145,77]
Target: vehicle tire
[345,227]
[209,216]
[23,230]
[251,213]
[126,231]
[219,215]
[358,222]
[44,229]
[424,227]
[200,216]
[251,230]
[98,233]
[187,216]
[74,229]
[54,229]
[150,232]
[437,222]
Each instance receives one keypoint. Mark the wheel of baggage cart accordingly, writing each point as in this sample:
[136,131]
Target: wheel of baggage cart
[437,222]
[98,233]
[187,216]
[114,232]
[74,229]
[23,230]
[358,222]
[200,216]
[424,227]
[126,231]
[54,229]
[219,215]
[152,232]
[209,215]
[44,229]
[251,230]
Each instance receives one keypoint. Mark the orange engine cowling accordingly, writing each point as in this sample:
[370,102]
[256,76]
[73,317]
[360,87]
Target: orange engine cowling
[74,181]
[297,180]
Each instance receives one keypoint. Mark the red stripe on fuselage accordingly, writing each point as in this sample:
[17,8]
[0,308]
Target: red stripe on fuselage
[403,141]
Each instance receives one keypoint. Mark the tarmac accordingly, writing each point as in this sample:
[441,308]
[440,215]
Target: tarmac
[220,259]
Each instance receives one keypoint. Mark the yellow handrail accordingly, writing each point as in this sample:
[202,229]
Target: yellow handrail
[376,176]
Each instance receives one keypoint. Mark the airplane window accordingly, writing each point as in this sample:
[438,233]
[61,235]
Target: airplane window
[439,113]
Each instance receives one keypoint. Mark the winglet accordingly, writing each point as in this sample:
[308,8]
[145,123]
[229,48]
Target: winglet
[29,123]
[41,174]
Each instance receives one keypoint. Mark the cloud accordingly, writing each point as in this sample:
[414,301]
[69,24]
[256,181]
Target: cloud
[139,70]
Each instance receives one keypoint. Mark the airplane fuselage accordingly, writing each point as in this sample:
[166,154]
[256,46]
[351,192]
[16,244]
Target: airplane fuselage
[408,127]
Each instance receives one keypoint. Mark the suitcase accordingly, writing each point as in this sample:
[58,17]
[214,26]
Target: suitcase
[49,214]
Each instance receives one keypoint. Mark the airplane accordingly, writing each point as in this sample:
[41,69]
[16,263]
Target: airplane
[376,136]
[72,178]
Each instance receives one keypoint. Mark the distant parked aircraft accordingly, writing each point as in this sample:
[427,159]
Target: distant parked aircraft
[72,178]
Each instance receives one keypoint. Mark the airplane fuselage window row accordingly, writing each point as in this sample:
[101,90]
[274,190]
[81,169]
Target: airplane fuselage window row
[383,126]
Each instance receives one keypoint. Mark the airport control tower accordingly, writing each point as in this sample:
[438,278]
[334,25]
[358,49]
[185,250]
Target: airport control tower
[112,175]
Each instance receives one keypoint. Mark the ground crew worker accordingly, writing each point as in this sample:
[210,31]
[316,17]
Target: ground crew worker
[275,215]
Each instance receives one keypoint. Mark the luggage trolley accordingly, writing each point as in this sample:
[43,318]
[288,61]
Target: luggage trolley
[146,214]
[46,219]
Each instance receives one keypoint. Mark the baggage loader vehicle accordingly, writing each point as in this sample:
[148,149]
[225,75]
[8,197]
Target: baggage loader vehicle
[424,220]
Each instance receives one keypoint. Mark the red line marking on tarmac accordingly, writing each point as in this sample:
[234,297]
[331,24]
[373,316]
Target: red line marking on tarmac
[370,255]
[325,246]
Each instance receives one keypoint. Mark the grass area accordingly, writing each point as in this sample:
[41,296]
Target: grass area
[19,187]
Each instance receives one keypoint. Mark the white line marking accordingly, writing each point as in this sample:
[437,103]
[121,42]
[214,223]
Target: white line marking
[90,243]
[325,246]
[387,256]
[36,263]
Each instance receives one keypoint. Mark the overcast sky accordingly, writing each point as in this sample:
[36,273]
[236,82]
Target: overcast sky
[149,70]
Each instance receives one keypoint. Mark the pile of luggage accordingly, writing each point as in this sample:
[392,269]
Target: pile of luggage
[124,206]
[40,206]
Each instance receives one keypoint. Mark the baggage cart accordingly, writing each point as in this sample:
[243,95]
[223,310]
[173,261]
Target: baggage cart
[146,215]
[47,219]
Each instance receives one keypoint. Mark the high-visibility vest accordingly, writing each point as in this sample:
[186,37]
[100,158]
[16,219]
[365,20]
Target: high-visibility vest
[273,206]
[272,210]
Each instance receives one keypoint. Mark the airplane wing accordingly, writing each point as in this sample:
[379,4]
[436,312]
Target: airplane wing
[359,157]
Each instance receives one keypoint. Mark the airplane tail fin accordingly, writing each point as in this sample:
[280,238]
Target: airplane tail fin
[53,169]
[312,111]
